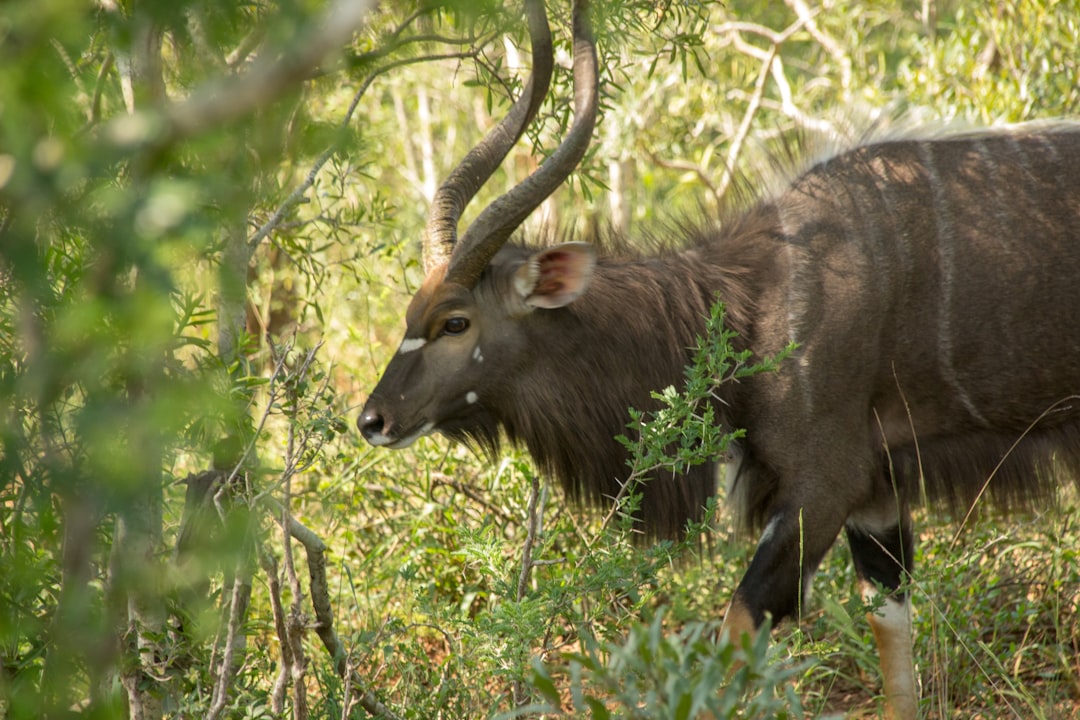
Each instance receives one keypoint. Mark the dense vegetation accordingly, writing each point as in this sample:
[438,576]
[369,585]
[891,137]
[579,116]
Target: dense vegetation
[209,215]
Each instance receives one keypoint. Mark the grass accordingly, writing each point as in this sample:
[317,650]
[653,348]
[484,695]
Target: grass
[430,545]
[426,548]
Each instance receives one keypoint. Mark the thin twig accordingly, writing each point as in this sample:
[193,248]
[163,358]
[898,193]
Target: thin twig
[532,531]
[687,166]
[238,603]
[735,148]
[281,682]
[297,195]
[806,15]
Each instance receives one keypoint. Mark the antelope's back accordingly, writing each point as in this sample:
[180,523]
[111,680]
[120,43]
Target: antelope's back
[933,287]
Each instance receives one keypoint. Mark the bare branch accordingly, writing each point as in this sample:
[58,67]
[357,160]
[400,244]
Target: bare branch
[806,17]
[238,603]
[99,88]
[533,530]
[687,166]
[735,148]
[232,98]
[245,47]
[291,626]
[227,99]
[294,623]
[281,682]
[319,590]
[776,39]
[203,47]
[768,58]
[297,195]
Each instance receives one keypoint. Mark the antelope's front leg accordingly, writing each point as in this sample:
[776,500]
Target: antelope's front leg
[790,549]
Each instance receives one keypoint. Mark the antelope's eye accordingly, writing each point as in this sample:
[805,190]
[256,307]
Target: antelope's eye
[455,325]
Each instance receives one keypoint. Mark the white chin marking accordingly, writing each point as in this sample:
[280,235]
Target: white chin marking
[408,440]
[471,397]
[408,345]
[381,440]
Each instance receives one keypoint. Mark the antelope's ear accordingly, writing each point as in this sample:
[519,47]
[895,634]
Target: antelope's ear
[556,276]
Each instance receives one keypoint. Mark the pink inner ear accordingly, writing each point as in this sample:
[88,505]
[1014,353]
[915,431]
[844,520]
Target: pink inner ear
[548,286]
[554,267]
[556,276]
[563,274]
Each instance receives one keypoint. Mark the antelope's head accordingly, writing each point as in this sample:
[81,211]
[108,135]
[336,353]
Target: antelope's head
[463,331]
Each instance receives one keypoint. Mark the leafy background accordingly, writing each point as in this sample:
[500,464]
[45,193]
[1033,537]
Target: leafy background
[209,215]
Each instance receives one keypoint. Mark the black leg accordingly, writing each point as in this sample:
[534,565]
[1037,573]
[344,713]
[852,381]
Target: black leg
[788,554]
[883,559]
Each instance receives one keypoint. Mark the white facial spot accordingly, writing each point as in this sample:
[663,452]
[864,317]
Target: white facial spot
[471,397]
[477,354]
[408,345]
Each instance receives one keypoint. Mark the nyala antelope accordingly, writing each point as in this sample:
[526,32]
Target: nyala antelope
[932,287]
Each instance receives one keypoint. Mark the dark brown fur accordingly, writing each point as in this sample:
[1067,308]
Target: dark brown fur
[933,290]
[849,261]
[575,393]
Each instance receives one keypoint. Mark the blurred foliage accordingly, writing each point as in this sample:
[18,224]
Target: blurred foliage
[177,300]
[655,673]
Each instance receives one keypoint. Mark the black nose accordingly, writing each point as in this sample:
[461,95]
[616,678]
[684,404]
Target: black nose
[371,423]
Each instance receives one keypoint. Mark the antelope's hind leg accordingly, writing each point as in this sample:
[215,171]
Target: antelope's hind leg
[883,558]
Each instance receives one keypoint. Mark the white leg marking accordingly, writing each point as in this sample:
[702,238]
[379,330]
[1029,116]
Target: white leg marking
[770,530]
[891,624]
[409,345]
